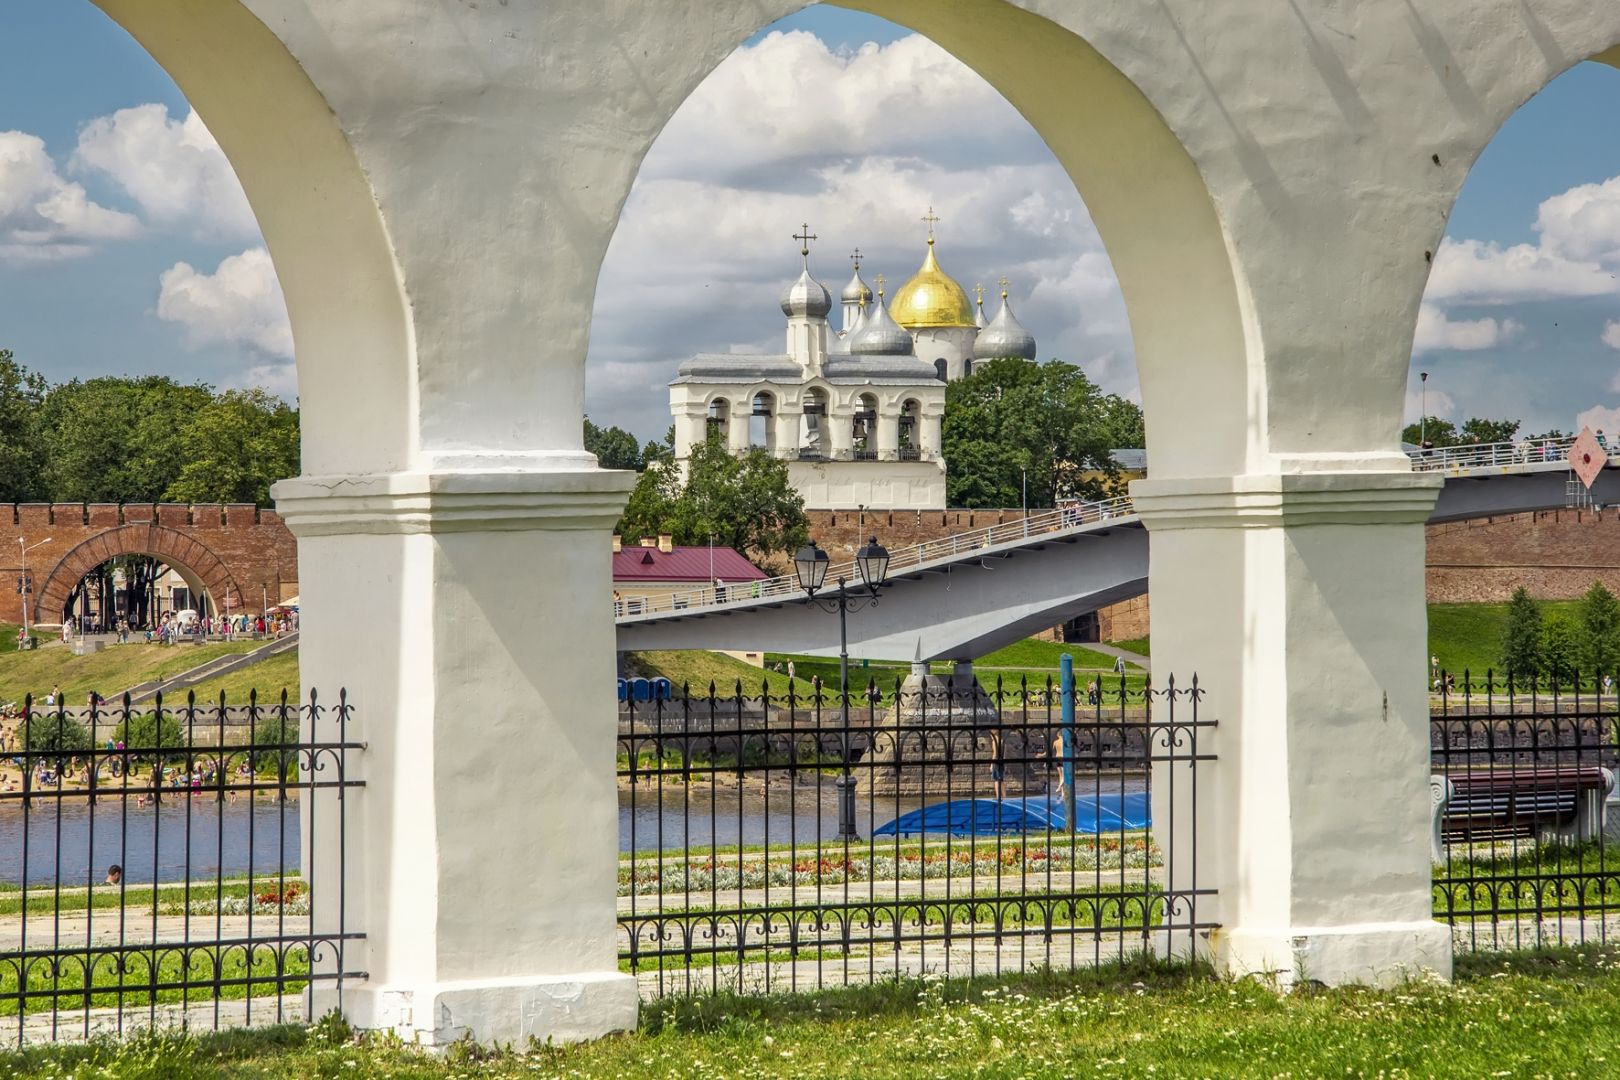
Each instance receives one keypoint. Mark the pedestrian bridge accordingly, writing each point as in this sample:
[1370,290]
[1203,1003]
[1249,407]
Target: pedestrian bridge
[965,595]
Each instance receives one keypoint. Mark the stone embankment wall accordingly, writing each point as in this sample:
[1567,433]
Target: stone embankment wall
[236,548]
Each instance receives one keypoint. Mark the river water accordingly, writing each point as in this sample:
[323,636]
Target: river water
[261,836]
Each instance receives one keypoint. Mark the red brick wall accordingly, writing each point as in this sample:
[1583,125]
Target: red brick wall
[1556,554]
[259,554]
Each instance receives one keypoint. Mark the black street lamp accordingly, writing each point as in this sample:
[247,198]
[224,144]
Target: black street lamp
[810,567]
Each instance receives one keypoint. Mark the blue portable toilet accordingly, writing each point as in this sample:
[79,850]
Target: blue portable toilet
[642,689]
[663,689]
[623,690]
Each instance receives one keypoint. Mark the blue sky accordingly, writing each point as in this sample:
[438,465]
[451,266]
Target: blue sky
[159,268]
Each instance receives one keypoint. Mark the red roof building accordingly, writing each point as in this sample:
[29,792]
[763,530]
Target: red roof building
[642,566]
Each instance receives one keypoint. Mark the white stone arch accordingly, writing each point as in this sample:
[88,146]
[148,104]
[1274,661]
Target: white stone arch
[352,333]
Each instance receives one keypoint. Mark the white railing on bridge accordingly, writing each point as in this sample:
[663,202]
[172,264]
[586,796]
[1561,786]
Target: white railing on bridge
[1068,515]
[1488,455]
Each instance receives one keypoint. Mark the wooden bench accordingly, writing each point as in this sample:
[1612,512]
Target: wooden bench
[1568,804]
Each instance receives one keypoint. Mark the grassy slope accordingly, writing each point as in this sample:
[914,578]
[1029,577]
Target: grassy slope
[1469,636]
[110,671]
[1533,1015]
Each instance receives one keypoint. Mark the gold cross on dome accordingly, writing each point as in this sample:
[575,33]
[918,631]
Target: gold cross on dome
[804,236]
[930,218]
[1003,282]
[978,293]
[881,280]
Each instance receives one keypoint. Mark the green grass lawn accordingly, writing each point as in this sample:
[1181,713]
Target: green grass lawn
[108,672]
[1469,636]
[1139,646]
[1533,1014]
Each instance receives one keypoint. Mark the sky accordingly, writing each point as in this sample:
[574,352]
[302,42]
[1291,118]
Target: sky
[126,246]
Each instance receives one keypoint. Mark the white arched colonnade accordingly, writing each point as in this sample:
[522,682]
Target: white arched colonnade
[438,182]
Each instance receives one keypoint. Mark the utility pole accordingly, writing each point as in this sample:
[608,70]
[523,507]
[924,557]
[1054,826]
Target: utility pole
[25,586]
[1423,420]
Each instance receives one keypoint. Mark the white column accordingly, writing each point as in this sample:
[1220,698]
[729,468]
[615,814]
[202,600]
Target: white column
[1297,600]
[691,428]
[789,429]
[929,438]
[888,435]
[737,421]
[838,431]
[483,849]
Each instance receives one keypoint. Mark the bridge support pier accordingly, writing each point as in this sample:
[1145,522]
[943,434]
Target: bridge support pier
[1298,602]
[482,851]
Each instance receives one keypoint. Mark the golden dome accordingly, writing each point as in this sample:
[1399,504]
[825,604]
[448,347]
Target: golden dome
[931,298]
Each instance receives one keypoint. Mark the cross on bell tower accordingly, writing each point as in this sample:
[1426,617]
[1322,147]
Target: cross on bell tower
[804,236]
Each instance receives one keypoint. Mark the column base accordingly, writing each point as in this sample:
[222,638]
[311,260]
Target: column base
[1370,954]
[510,1012]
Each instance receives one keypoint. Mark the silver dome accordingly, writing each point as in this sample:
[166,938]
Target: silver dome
[857,291]
[1004,337]
[880,335]
[806,297]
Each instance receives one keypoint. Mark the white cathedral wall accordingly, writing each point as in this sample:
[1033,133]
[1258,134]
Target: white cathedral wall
[887,485]
[953,344]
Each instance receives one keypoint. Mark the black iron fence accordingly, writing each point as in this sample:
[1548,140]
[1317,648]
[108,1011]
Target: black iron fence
[154,865]
[1523,824]
[765,844]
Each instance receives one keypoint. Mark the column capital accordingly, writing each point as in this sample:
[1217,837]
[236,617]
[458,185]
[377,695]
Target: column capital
[501,500]
[1269,501]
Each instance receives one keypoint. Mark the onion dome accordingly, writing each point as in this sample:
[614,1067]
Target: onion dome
[860,321]
[806,298]
[879,334]
[932,298]
[978,307]
[857,291]
[1004,337]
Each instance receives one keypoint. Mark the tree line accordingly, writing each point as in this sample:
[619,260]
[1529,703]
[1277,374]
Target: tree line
[1435,432]
[139,439]
[1555,648]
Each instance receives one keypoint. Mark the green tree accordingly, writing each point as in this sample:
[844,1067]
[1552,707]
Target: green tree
[1599,646]
[744,502]
[239,444]
[1012,421]
[49,732]
[116,439]
[614,447]
[21,392]
[1522,637]
[1560,653]
[148,731]
[1444,433]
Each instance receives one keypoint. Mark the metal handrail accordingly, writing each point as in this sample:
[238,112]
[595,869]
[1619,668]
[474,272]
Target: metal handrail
[1488,455]
[1068,515]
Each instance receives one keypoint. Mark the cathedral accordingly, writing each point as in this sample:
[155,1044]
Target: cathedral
[856,411]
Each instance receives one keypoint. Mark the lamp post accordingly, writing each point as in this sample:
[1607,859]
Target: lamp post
[1423,410]
[25,586]
[810,567]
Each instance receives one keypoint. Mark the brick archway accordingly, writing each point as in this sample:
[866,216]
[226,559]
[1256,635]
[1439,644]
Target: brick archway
[171,546]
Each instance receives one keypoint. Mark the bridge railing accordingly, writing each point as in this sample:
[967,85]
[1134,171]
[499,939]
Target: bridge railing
[1487,455]
[1067,516]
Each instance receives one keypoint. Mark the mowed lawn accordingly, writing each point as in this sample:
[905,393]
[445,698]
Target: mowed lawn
[1468,637]
[109,672]
[1525,1016]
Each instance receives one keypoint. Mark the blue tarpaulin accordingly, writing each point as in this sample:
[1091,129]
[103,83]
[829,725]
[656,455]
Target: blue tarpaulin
[1109,812]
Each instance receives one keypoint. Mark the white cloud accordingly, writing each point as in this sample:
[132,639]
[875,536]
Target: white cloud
[1611,334]
[1436,331]
[859,144]
[1598,419]
[43,215]
[240,303]
[1439,403]
[173,169]
[1583,222]
[1480,272]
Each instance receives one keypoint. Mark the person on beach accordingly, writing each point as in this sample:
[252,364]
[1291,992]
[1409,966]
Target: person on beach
[998,764]
[115,875]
